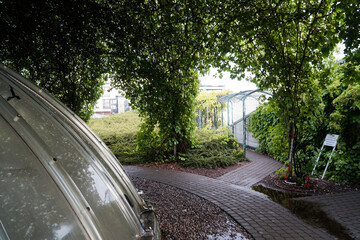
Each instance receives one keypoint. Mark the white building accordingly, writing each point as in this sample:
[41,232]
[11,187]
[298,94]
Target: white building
[204,87]
[110,102]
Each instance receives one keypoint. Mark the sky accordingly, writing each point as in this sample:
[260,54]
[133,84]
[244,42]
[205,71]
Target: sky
[236,85]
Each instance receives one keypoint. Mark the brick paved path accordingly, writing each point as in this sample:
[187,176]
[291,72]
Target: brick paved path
[260,216]
[342,207]
[260,167]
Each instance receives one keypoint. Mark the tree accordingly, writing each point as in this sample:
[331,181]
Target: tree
[58,46]
[283,43]
[345,117]
[350,29]
[157,48]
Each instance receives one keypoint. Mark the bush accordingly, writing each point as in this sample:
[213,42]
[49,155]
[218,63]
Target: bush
[347,168]
[212,150]
[264,125]
[119,132]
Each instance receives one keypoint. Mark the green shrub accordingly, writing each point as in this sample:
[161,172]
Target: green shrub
[264,125]
[344,168]
[281,172]
[212,150]
[116,125]
[148,143]
[120,132]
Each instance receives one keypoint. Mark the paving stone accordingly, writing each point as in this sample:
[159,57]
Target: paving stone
[343,208]
[260,216]
[249,206]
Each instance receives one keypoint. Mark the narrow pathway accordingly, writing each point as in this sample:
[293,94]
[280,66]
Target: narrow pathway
[260,216]
[259,167]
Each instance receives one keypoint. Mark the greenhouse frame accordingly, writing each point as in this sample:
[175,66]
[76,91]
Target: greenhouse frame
[239,107]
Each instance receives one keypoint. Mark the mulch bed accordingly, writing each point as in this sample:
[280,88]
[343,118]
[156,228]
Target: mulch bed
[317,186]
[183,215]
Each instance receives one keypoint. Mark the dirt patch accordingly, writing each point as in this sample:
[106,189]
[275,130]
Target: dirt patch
[212,173]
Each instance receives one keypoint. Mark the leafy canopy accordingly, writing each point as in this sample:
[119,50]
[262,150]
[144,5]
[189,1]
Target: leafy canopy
[154,49]
[155,61]
[57,45]
[283,43]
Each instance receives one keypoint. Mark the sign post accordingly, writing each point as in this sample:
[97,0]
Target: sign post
[331,141]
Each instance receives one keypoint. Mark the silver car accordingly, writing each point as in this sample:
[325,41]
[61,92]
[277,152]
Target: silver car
[57,178]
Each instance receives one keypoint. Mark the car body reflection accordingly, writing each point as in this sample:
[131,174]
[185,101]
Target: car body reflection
[57,179]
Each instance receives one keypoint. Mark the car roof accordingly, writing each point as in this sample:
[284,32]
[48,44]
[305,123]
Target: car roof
[57,179]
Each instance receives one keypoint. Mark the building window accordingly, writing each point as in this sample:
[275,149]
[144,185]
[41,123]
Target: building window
[106,103]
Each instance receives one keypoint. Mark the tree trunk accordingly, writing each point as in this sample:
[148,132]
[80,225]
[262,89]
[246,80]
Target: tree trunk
[291,153]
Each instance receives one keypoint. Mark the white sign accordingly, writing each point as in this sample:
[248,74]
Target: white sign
[331,140]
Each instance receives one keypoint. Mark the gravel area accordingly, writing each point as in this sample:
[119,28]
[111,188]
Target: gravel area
[183,215]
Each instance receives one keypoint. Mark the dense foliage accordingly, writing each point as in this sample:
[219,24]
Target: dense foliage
[337,112]
[119,133]
[57,45]
[210,151]
[283,44]
[154,50]
[345,121]
[154,62]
